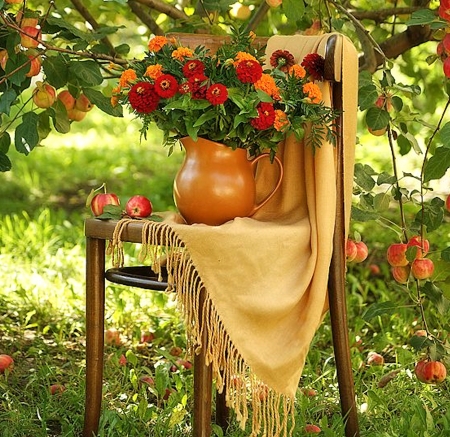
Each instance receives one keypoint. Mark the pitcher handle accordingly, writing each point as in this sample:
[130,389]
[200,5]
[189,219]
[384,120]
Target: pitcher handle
[277,185]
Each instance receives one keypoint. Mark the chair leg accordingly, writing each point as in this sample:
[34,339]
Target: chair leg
[202,388]
[95,313]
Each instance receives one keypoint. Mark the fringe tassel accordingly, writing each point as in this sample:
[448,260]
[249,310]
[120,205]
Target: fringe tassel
[271,410]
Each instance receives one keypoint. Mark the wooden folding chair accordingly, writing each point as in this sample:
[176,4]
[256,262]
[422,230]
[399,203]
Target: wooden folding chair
[98,231]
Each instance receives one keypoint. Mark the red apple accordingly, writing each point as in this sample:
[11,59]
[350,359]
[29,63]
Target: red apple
[75,114]
[176,351]
[29,37]
[396,254]
[67,99]
[309,392]
[27,19]
[147,337]
[421,333]
[351,250]
[422,268]
[112,337]
[312,429]
[362,252]
[377,132]
[184,363]
[447,203]
[139,207]
[56,388]
[6,363]
[274,3]
[430,372]
[375,359]
[423,247]
[35,66]
[44,95]
[374,269]
[82,103]
[446,66]
[14,2]
[122,360]
[100,200]
[147,380]
[401,273]
[446,43]
[3,58]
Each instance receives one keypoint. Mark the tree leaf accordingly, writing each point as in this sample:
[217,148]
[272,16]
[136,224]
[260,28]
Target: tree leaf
[363,178]
[26,134]
[421,17]
[377,118]
[88,72]
[56,70]
[380,309]
[103,102]
[294,10]
[5,163]
[6,99]
[367,95]
[444,134]
[361,215]
[437,165]
[5,142]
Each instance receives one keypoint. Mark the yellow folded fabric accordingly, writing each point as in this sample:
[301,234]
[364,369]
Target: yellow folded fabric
[266,277]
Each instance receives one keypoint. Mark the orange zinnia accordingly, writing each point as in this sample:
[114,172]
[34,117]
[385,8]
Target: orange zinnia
[313,92]
[281,120]
[182,52]
[297,71]
[268,85]
[157,43]
[243,56]
[127,77]
[154,71]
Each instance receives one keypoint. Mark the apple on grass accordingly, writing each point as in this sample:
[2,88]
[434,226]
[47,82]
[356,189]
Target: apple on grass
[6,363]
[375,359]
[430,372]
[138,206]
[56,388]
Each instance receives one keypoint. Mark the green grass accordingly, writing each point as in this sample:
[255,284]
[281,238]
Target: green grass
[42,311]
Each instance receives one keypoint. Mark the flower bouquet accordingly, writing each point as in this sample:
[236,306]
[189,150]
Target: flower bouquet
[232,96]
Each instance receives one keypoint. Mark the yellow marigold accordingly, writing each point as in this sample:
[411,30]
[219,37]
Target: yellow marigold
[127,77]
[243,56]
[154,71]
[297,71]
[157,43]
[281,120]
[182,52]
[313,92]
[268,85]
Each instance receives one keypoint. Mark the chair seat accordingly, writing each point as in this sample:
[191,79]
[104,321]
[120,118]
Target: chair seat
[138,276]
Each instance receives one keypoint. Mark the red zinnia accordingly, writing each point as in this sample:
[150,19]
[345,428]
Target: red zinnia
[249,71]
[198,87]
[143,98]
[282,59]
[166,86]
[314,64]
[217,94]
[184,88]
[193,68]
[266,116]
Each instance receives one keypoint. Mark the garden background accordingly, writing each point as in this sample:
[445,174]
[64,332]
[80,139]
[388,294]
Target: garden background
[42,208]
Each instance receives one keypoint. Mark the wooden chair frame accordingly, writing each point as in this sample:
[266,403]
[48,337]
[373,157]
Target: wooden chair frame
[97,232]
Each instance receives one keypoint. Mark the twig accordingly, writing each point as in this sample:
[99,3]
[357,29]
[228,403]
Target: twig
[145,18]
[258,16]
[164,8]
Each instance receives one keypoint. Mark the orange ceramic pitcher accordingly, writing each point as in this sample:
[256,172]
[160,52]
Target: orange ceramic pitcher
[215,183]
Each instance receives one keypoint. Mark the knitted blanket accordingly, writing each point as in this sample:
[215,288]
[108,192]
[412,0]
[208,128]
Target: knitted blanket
[265,277]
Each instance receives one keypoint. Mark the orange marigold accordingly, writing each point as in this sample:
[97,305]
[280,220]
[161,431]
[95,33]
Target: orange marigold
[243,56]
[313,92]
[157,43]
[268,85]
[153,71]
[182,52]
[127,77]
[281,120]
[297,71]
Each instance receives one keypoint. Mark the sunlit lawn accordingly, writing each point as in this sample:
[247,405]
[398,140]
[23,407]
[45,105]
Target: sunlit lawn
[42,310]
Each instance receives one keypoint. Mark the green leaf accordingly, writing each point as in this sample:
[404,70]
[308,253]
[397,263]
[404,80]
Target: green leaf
[436,296]
[421,17]
[367,96]
[380,309]
[60,118]
[360,215]
[445,254]
[6,100]
[363,177]
[60,23]
[16,68]
[26,134]
[5,142]
[204,118]
[386,178]
[87,72]
[294,10]
[437,165]
[5,163]
[381,201]
[44,128]
[377,118]
[103,103]
[444,134]
[56,71]
[418,343]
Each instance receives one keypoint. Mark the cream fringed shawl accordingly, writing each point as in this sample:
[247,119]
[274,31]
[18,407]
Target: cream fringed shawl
[265,277]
